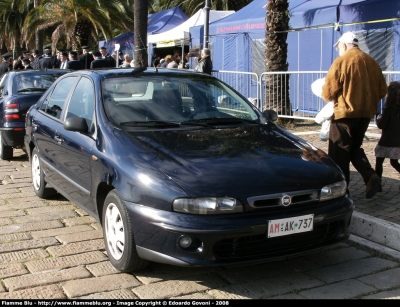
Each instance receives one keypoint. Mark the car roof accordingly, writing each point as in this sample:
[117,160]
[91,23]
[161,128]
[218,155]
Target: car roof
[39,71]
[148,70]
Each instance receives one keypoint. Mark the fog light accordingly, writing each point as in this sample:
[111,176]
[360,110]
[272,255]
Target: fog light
[185,241]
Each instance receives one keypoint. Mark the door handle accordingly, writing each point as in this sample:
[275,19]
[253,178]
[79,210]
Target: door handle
[34,125]
[58,139]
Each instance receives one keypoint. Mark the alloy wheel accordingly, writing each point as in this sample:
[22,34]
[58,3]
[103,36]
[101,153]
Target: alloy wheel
[114,229]
[36,172]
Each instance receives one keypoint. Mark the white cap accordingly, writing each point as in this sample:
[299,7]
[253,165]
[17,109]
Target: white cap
[347,38]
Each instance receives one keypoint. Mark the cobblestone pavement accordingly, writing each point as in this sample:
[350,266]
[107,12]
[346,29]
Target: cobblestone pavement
[51,249]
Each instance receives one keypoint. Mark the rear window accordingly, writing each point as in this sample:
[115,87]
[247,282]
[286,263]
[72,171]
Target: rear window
[28,83]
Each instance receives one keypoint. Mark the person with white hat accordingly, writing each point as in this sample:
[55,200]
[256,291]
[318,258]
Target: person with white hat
[356,85]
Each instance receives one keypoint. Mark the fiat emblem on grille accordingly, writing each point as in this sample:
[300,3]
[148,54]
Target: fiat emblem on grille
[286,200]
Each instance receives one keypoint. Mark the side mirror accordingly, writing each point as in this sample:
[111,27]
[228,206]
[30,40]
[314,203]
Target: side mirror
[77,124]
[270,114]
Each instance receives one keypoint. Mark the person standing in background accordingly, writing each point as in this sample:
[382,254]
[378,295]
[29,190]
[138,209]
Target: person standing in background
[31,58]
[26,63]
[63,62]
[86,58]
[57,59]
[73,62]
[47,61]
[98,61]
[107,57]
[389,121]
[167,60]
[18,64]
[205,64]
[6,64]
[37,57]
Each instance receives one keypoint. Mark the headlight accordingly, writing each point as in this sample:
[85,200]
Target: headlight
[333,190]
[207,205]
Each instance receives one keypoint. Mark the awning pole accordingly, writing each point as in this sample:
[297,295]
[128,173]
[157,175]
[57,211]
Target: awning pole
[206,23]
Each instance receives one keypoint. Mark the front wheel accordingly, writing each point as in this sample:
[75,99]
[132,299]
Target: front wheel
[118,235]
[6,152]
[39,184]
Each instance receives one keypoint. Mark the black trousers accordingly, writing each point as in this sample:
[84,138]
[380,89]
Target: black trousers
[346,136]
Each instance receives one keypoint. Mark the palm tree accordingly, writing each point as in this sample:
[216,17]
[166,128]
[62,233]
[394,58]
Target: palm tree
[12,16]
[38,33]
[277,86]
[157,5]
[190,7]
[140,32]
[79,22]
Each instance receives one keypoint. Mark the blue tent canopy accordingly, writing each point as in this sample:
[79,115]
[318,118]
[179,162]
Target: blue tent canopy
[157,23]
[238,41]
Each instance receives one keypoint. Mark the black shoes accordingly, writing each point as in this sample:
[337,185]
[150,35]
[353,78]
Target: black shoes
[373,186]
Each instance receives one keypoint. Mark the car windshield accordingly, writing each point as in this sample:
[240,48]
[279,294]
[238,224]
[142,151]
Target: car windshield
[28,83]
[165,101]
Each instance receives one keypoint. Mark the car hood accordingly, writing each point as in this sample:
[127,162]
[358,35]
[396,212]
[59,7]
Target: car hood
[236,162]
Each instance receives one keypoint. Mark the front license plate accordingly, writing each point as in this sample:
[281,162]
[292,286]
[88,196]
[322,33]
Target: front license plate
[289,226]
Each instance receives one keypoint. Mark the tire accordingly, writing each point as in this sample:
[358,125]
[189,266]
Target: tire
[38,182]
[118,235]
[6,152]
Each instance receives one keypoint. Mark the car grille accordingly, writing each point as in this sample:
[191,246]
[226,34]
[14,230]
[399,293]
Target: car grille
[275,200]
[260,247]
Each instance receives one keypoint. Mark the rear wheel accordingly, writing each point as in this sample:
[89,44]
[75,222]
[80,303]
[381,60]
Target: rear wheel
[6,152]
[118,235]
[39,184]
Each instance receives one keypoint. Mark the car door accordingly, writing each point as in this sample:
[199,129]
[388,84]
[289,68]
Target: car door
[47,124]
[74,154]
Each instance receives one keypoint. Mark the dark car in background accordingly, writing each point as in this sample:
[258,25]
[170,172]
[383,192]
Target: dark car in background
[19,90]
[179,168]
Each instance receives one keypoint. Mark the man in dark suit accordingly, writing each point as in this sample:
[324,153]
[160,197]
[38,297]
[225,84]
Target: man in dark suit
[73,62]
[63,61]
[86,58]
[98,61]
[37,57]
[47,61]
[57,58]
[121,58]
[19,65]
[107,57]
[6,64]
[26,63]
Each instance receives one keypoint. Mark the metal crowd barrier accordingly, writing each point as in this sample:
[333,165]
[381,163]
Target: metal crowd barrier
[304,104]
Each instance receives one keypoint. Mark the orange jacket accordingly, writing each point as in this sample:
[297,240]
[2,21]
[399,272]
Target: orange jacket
[356,84]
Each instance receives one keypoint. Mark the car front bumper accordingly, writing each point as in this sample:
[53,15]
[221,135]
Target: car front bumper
[234,238]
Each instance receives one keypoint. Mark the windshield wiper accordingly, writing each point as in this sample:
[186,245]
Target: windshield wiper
[32,89]
[150,123]
[193,122]
[218,121]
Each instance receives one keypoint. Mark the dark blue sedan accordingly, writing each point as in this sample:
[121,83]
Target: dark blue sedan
[181,169]
[19,90]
